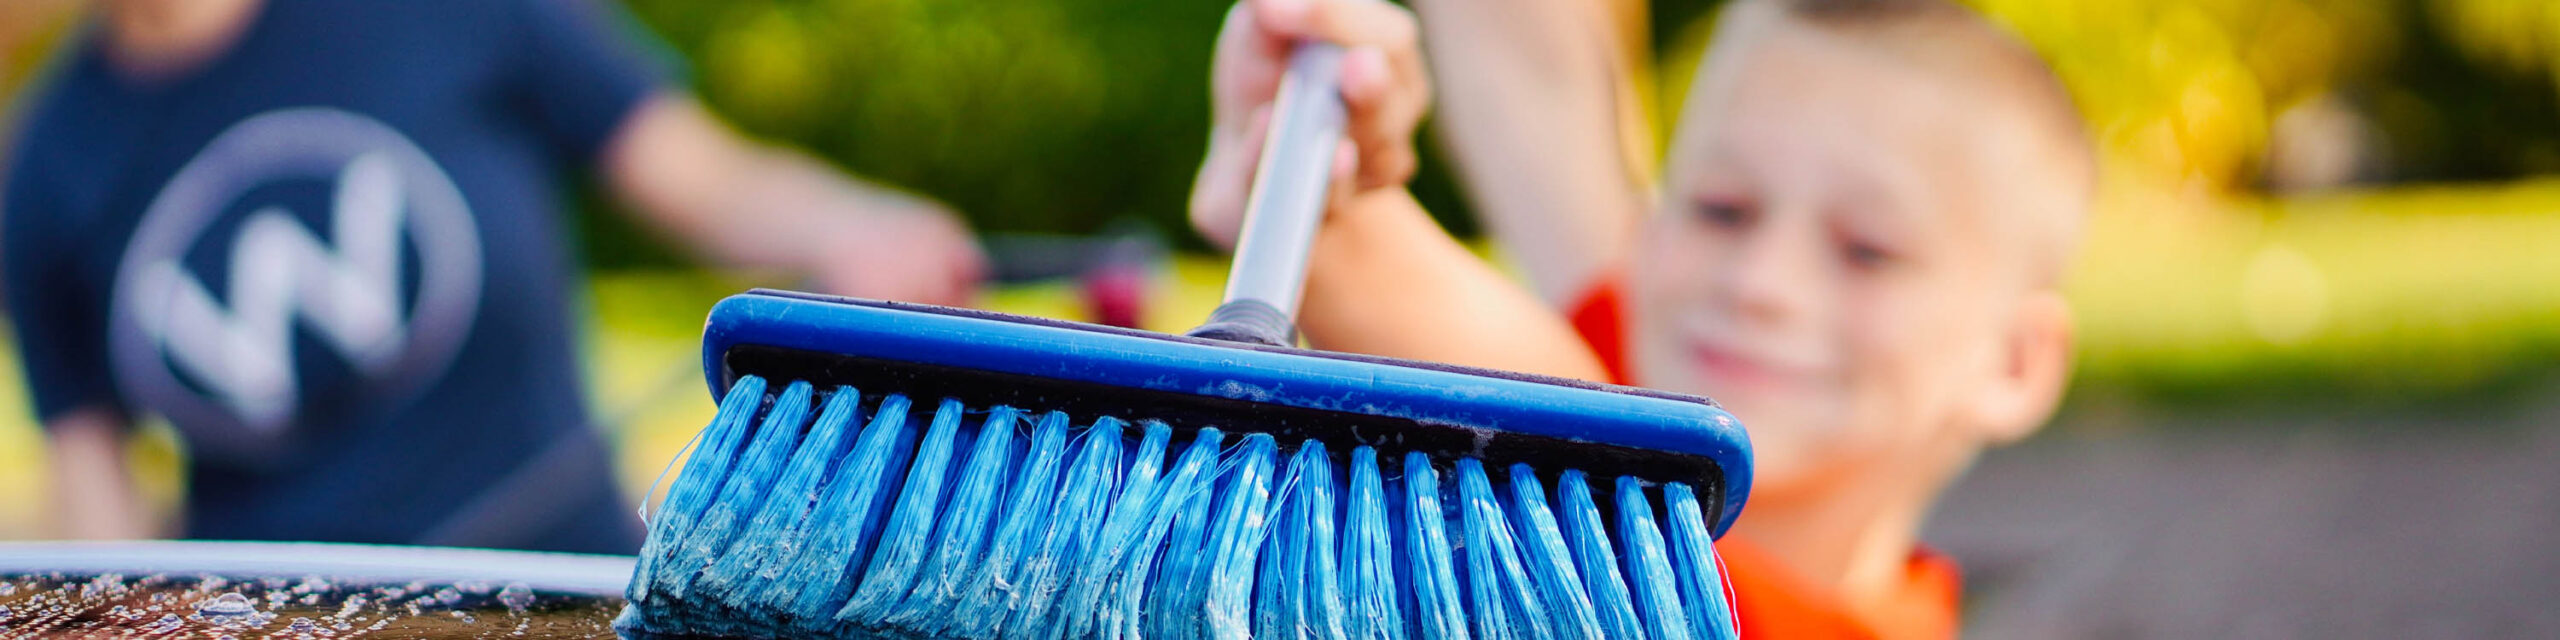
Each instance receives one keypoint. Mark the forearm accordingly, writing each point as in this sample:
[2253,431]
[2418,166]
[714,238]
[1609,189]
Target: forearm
[1385,280]
[728,200]
[743,204]
[785,210]
[1541,119]
[94,497]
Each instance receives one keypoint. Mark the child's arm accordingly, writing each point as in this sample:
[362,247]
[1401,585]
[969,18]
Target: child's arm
[1384,279]
[748,204]
[1545,127]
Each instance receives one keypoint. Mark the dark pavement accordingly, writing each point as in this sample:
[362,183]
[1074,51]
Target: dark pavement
[2357,527]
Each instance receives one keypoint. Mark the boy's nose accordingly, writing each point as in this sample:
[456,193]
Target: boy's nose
[1770,277]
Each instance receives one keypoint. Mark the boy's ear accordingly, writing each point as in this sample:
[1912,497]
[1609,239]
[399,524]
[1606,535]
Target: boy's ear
[2034,366]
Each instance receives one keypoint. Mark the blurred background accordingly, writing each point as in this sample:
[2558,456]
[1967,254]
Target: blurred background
[2319,305]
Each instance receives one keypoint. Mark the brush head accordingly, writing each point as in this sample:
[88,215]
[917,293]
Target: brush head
[889,470]
[988,359]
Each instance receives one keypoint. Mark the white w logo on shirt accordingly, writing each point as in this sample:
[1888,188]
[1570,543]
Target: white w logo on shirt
[347,289]
[388,278]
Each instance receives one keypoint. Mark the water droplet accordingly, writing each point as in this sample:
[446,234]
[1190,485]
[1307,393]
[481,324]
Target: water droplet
[354,604]
[474,587]
[448,596]
[4,612]
[227,604]
[516,596]
[302,625]
[166,623]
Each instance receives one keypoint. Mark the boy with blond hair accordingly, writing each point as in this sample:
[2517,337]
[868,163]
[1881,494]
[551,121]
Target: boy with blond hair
[1869,206]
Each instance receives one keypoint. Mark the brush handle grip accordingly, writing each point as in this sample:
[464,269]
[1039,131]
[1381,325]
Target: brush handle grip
[1286,204]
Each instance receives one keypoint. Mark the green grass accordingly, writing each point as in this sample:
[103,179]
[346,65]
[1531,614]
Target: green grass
[2421,295]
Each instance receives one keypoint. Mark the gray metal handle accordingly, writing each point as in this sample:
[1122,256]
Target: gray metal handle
[1288,197]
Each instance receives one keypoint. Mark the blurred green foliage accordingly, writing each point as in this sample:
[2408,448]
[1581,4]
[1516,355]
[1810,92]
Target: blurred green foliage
[1026,115]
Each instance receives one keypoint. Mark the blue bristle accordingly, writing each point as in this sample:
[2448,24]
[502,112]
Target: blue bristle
[1192,475]
[694,488]
[1694,563]
[964,522]
[745,489]
[1504,602]
[1119,537]
[1310,536]
[902,545]
[982,611]
[1236,544]
[1182,583]
[1550,565]
[779,529]
[1277,601]
[1368,555]
[787,524]
[1649,565]
[823,574]
[1599,559]
[1438,613]
[1086,492]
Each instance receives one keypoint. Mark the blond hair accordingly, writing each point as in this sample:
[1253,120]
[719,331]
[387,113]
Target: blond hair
[1955,43]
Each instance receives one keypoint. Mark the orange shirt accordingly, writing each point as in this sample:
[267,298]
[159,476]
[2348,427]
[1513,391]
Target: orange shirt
[1771,601]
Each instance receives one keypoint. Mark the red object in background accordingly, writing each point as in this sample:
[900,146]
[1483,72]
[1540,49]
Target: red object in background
[1599,315]
[1115,293]
[1112,270]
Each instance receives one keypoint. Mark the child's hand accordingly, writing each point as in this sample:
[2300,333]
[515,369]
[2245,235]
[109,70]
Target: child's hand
[1385,91]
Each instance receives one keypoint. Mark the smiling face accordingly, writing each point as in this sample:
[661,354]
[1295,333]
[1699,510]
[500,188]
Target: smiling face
[1847,248]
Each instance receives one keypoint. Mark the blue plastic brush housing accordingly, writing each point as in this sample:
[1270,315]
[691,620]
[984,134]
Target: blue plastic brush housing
[1395,406]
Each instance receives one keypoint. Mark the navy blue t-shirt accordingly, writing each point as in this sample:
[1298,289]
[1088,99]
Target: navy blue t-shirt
[334,257]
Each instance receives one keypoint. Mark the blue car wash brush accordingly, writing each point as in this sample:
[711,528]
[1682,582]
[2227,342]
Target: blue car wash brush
[886,470]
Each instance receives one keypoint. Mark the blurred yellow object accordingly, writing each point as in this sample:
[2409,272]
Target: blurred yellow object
[2284,295]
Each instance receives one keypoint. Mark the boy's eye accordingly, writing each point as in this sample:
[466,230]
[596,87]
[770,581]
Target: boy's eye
[1864,255]
[1724,215]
